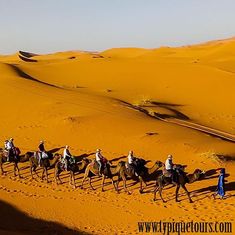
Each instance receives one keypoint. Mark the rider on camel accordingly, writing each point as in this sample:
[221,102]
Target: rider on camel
[100,160]
[67,156]
[41,151]
[9,145]
[132,161]
[169,166]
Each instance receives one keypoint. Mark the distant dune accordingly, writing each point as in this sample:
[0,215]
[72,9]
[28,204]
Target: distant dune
[155,102]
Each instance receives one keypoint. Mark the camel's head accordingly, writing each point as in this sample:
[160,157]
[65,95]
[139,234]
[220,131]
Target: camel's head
[141,161]
[121,163]
[199,173]
[86,160]
[159,164]
[57,155]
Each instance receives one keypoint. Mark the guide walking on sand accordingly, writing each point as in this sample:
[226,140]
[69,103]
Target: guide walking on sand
[220,190]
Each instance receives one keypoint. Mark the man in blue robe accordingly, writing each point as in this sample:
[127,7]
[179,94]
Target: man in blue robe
[220,187]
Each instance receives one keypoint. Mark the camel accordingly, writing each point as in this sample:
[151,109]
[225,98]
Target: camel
[73,168]
[183,179]
[109,172]
[15,161]
[46,163]
[145,173]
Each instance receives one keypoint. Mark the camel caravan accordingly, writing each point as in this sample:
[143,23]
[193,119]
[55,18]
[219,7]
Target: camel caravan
[134,168]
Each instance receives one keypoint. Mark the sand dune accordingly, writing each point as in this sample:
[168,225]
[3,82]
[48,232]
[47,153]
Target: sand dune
[27,59]
[74,98]
[179,118]
[27,54]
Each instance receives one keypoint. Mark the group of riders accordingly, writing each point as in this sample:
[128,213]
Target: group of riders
[67,159]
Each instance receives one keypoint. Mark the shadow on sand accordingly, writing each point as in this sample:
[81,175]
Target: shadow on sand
[14,221]
[84,155]
[229,186]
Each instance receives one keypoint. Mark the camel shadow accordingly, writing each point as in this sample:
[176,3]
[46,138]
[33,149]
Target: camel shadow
[54,150]
[14,221]
[226,158]
[153,176]
[167,106]
[230,186]
[117,159]
[84,155]
[212,174]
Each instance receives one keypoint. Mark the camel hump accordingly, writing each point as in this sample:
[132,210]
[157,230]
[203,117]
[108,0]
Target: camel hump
[17,151]
[95,165]
[92,163]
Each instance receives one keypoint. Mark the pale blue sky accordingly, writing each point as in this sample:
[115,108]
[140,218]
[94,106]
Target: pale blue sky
[43,26]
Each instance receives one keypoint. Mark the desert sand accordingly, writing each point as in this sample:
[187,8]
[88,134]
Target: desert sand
[92,100]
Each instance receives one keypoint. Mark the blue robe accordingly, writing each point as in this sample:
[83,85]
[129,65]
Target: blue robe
[220,187]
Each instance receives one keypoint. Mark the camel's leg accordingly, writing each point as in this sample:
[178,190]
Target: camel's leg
[176,192]
[83,180]
[114,185]
[35,171]
[160,193]
[102,183]
[89,178]
[31,172]
[2,171]
[56,175]
[118,180]
[141,184]
[18,169]
[74,183]
[72,180]
[43,169]
[86,174]
[46,175]
[185,189]
[15,169]
[155,192]
[145,183]
[124,183]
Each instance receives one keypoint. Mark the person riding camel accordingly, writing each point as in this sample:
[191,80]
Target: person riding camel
[169,166]
[9,145]
[132,161]
[130,158]
[100,160]
[5,144]
[67,156]
[41,152]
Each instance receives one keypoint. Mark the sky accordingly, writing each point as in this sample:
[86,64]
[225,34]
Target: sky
[45,26]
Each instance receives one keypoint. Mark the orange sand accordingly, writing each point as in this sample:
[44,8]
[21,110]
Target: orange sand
[82,109]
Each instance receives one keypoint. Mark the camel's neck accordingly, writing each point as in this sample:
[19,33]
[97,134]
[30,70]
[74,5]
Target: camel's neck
[24,158]
[114,170]
[53,161]
[81,165]
[192,178]
[153,169]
